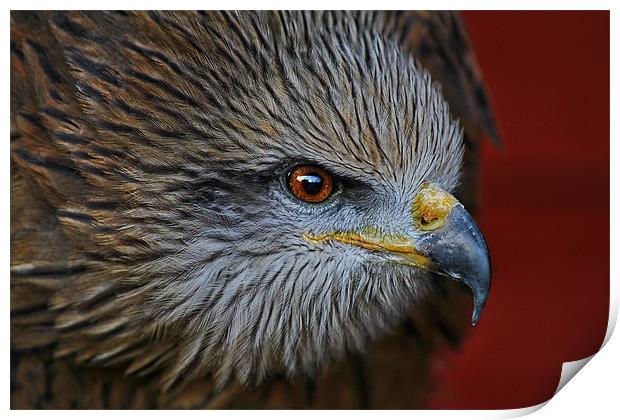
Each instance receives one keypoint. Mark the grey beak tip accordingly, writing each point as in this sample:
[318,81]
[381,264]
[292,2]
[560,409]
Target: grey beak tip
[480,299]
[475,317]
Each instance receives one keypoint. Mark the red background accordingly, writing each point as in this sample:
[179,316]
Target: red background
[545,208]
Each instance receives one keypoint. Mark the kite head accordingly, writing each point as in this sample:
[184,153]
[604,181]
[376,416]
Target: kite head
[283,192]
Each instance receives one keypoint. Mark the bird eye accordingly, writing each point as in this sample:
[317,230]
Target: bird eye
[310,184]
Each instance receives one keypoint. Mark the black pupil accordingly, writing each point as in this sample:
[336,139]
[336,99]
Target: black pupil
[312,183]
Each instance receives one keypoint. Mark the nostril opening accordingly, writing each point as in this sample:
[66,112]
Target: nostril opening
[428,220]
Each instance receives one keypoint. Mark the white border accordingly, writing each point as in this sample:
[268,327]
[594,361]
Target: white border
[593,394]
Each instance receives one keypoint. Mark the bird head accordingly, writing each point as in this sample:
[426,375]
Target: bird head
[286,184]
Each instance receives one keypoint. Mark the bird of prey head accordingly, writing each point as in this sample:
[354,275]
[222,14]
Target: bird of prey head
[253,190]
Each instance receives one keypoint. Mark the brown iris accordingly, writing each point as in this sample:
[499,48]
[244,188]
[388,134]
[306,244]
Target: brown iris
[310,184]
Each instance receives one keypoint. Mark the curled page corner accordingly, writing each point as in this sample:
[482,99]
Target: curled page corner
[519,412]
[570,369]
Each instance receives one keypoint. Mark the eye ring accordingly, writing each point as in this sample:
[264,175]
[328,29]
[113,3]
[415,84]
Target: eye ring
[310,183]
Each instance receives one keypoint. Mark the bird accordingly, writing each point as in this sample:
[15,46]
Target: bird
[246,209]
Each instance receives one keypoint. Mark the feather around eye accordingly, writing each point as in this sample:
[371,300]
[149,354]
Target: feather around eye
[310,183]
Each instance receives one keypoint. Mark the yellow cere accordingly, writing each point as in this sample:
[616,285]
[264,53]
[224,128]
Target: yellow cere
[431,207]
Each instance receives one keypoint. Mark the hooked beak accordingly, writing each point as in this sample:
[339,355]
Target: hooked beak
[450,244]
[459,250]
